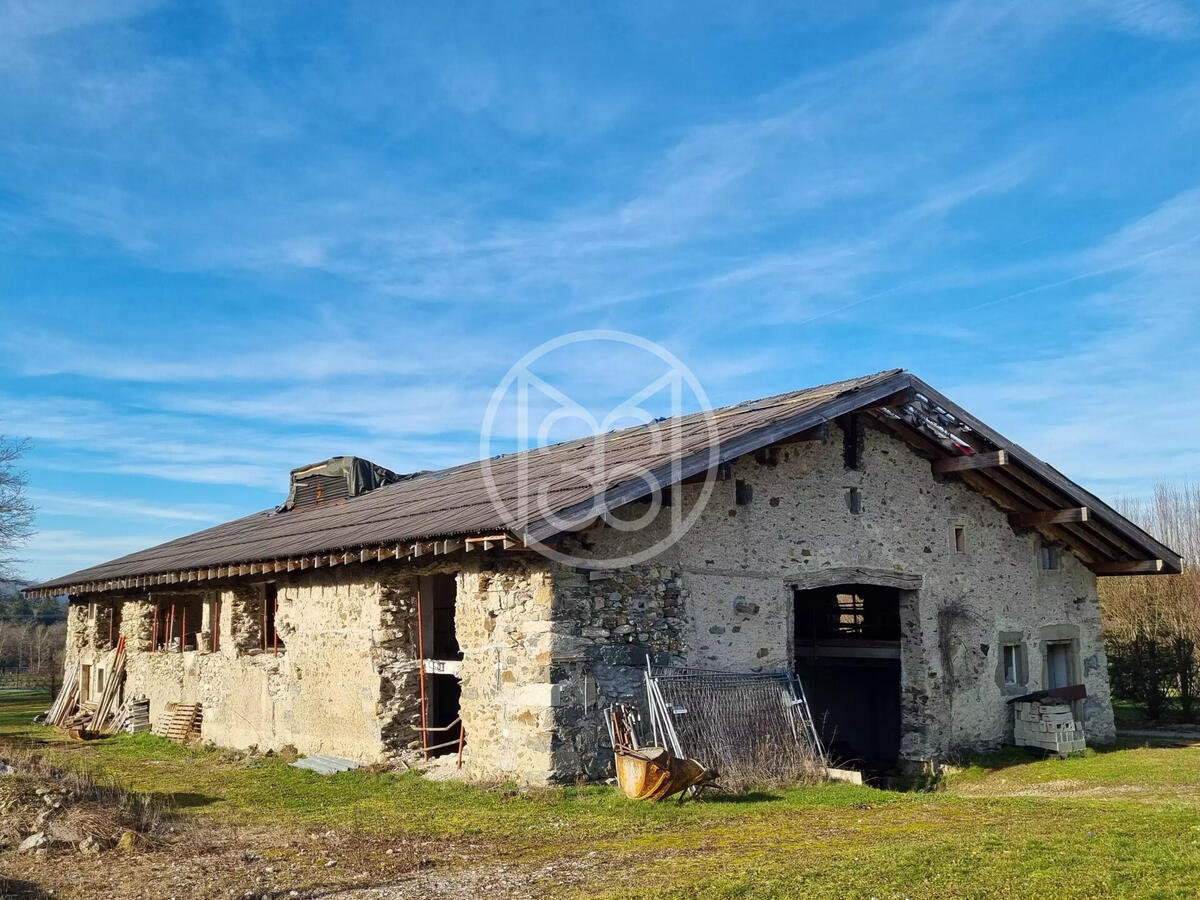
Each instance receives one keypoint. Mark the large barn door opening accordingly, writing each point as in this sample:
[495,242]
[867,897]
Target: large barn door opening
[442,658]
[847,645]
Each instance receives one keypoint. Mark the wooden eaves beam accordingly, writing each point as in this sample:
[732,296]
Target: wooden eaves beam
[1129,567]
[1042,517]
[974,461]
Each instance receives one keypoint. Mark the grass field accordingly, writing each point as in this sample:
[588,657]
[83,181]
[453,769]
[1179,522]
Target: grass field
[1120,823]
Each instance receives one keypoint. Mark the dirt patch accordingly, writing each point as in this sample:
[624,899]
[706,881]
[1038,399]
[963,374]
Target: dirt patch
[228,862]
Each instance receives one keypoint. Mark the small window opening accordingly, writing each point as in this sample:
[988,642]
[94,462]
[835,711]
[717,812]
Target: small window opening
[854,501]
[743,492]
[960,538]
[99,684]
[114,622]
[270,630]
[1051,557]
[177,624]
[852,441]
[850,615]
[1012,664]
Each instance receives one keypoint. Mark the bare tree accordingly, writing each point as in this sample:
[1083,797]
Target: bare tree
[16,512]
[1153,623]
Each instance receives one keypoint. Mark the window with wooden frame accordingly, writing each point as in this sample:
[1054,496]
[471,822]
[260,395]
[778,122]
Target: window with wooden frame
[177,625]
[1050,557]
[270,611]
[958,538]
[1012,664]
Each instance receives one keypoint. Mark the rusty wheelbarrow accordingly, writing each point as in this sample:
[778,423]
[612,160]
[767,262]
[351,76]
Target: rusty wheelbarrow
[652,773]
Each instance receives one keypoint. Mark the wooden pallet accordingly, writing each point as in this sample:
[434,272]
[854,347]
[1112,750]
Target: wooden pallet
[182,721]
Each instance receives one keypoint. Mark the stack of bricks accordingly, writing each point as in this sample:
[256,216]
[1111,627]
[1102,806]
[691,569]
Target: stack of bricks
[1048,726]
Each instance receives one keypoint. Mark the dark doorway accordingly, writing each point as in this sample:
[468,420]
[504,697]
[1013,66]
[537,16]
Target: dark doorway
[847,643]
[443,690]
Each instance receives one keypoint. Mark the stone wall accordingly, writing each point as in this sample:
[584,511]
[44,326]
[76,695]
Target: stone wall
[729,585]
[547,646]
[341,682]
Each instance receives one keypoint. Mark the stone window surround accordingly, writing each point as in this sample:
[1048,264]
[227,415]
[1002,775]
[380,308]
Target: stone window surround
[1059,634]
[1013,639]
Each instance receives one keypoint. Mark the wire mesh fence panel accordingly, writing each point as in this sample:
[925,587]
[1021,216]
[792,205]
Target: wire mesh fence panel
[753,728]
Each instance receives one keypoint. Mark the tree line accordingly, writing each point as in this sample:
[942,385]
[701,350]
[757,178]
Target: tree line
[1152,623]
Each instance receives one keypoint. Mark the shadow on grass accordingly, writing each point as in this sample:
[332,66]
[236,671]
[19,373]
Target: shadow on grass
[1009,757]
[15,889]
[181,800]
[747,797]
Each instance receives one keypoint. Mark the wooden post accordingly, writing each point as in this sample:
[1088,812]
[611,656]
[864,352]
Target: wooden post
[275,621]
[216,623]
[154,630]
[421,671]
[183,629]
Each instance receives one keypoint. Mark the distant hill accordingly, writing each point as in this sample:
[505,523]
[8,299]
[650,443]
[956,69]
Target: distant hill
[15,607]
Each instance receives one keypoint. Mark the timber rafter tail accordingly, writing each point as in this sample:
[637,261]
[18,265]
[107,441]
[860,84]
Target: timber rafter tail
[303,562]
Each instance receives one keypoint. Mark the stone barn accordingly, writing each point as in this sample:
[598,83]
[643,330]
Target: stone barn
[916,568]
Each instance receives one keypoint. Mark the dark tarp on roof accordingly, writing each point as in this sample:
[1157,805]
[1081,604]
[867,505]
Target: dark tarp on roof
[361,476]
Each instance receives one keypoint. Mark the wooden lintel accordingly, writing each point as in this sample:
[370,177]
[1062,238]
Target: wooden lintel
[974,461]
[1042,517]
[1129,567]
[818,433]
[720,472]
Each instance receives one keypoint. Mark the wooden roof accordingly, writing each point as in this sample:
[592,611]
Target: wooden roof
[455,508]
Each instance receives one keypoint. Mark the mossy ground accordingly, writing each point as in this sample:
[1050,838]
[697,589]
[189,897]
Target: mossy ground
[1121,822]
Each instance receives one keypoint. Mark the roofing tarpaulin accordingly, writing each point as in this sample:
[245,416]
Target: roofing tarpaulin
[361,475]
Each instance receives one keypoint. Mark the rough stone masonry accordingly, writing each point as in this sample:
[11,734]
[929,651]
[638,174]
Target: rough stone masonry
[545,647]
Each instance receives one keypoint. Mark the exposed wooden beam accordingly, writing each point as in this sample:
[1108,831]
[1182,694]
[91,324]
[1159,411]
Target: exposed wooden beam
[1130,567]
[720,472]
[975,461]
[1043,517]
[819,433]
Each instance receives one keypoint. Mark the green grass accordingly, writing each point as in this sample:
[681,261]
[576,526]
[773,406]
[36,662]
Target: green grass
[1125,822]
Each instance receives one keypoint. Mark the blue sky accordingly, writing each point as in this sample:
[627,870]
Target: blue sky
[235,238]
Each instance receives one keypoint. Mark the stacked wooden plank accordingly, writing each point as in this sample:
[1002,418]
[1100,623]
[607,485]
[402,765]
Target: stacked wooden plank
[66,701]
[106,707]
[181,722]
[1048,726]
[133,716]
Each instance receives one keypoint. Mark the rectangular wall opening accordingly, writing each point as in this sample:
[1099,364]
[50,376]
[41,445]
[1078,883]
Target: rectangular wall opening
[847,653]
[442,658]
